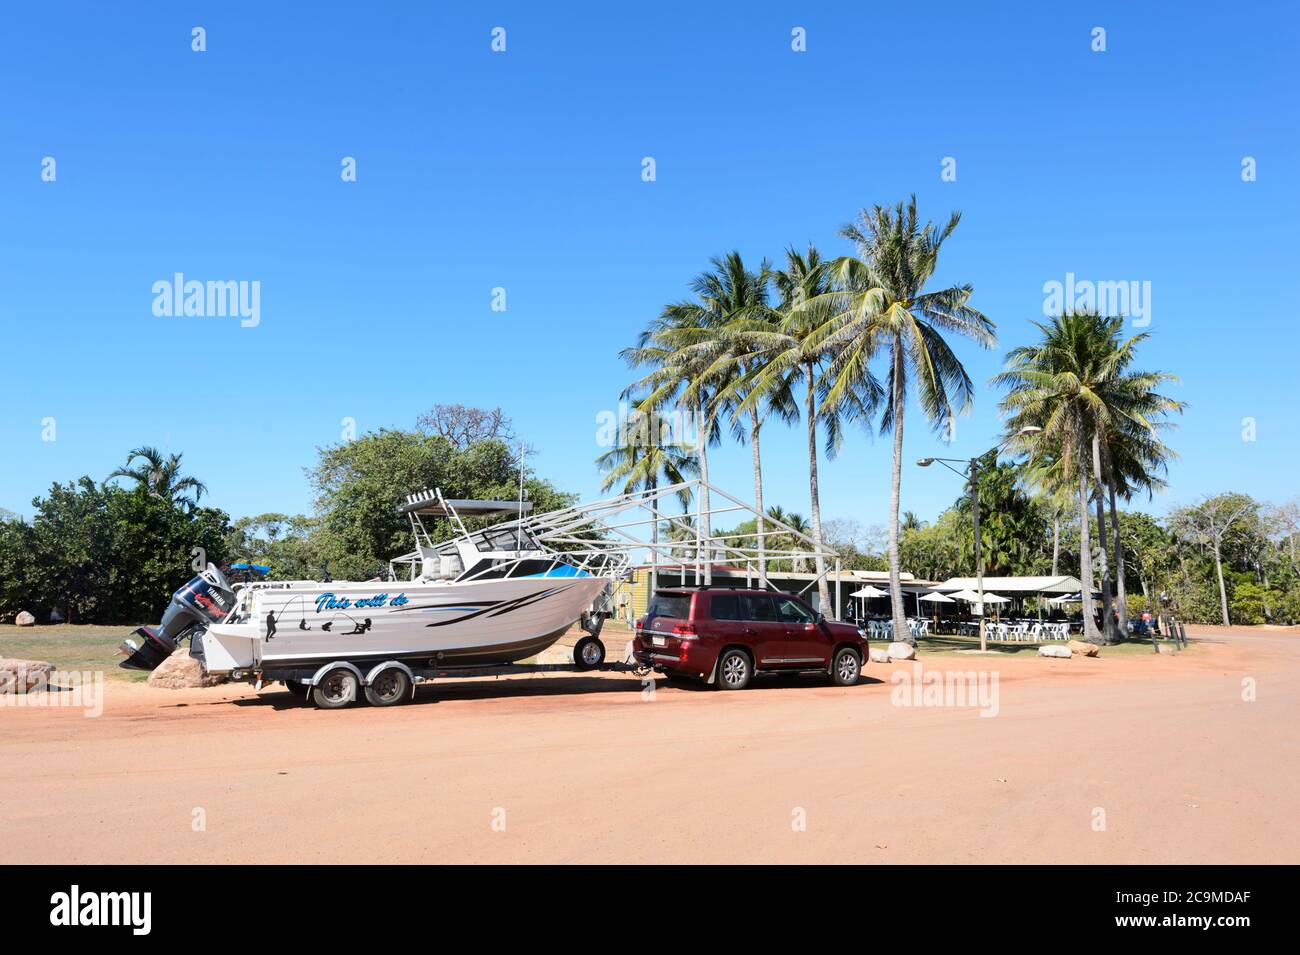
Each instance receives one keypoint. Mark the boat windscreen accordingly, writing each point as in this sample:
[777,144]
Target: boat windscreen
[504,539]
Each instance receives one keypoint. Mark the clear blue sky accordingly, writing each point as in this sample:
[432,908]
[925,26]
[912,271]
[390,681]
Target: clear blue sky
[523,170]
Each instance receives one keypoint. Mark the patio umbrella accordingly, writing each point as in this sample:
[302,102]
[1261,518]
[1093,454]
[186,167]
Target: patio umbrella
[996,599]
[866,593]
[869,591]
[938,599]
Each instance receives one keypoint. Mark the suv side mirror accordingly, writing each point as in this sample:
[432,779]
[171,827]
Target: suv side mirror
[819,619]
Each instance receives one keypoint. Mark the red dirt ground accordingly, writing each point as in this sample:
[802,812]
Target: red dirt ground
[590,768]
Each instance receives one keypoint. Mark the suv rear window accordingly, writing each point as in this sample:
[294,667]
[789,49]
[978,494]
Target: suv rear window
[725,607]
[759,609]
[676,606]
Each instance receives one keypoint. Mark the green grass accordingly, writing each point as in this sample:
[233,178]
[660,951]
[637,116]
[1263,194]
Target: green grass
[86,647]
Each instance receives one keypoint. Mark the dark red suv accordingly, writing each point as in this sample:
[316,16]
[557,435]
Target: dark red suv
[723,636]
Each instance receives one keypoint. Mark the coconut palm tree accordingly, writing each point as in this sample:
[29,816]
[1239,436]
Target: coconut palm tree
[640,461]
[1134,459]
[880,305]
[161,476]
[1075,386]
[737,370]
[778,342]
[690,361]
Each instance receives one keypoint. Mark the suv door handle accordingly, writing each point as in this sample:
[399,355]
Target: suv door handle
[750,631]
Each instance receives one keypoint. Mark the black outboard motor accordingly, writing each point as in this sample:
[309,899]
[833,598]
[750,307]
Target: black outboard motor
[205,600]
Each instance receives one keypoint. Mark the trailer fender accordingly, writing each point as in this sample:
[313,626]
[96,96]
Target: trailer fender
[389,665]
[330,666]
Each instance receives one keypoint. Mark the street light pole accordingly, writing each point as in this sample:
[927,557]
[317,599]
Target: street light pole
[979,550]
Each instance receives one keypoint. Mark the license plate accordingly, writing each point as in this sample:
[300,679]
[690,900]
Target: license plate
[659,641]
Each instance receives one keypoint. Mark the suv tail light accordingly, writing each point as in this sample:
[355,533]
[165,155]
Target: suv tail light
[685,630]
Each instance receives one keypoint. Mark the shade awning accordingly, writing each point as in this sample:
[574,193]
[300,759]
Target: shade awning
[430,503]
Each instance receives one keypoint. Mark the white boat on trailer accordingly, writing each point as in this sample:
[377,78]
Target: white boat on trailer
[483,598]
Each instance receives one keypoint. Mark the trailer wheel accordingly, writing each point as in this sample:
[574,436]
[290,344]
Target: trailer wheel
[296,687]
[336,689]
[390,688]
[588,653]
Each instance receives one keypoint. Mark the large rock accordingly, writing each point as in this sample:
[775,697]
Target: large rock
[24,619]
[879,655]
[180,671]
[1054,650]
[1084,649]
[23,676]
[902,651]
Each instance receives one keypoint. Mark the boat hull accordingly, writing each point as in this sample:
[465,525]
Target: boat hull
[470,623]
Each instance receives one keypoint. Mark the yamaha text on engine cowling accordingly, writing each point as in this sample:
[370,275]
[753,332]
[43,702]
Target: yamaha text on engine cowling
[205,600]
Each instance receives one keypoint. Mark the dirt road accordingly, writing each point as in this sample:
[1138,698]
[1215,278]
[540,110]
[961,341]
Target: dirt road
[1121,759]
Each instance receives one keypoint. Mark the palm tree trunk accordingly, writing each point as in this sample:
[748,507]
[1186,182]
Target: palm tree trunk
[1223,591]
[1121,592]
[1107,590]
[1090,632]
[754,428]
[1056,544]
[702,521]
[823,591]
[901,631]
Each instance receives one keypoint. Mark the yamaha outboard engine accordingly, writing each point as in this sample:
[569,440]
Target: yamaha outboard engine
[205,600]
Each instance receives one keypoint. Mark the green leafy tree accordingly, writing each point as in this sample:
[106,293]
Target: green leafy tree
[290,545]
[104,554]
[1012,528]
[360,484]
[1215,524]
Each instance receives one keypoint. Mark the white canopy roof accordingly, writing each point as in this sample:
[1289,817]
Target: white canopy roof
[1015,585]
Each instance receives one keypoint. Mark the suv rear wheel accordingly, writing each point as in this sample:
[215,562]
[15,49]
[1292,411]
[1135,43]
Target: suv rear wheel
[734,670]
